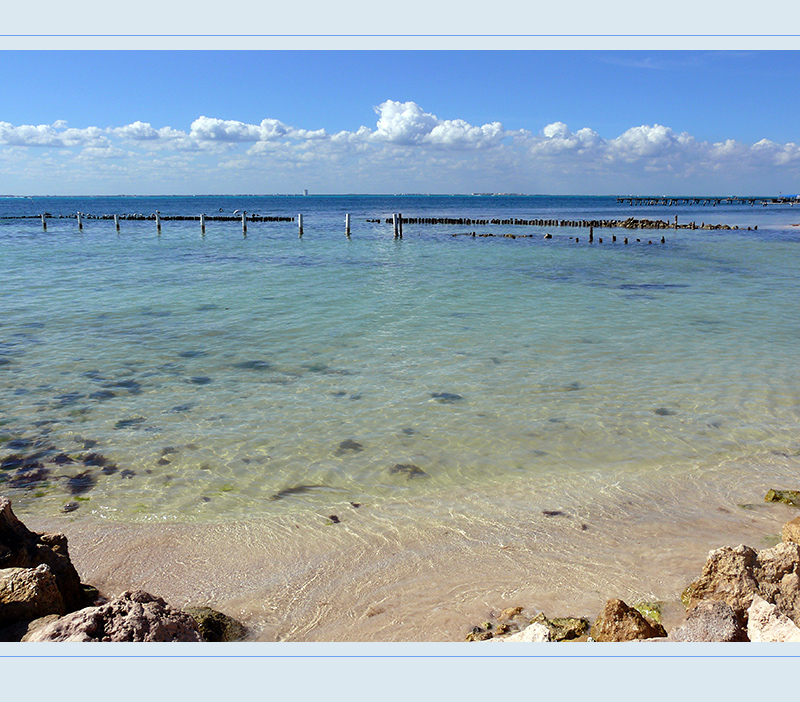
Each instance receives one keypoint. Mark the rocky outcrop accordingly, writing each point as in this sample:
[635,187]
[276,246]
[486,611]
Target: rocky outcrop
[765,623]
[133,616]
[22,548]
[736,575]
[27,594]
[619,622]
[709,621]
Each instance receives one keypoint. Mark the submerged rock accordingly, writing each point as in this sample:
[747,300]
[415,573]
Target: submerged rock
[446,397]
[407,469]
[215,626]
[348,445]
[789,497]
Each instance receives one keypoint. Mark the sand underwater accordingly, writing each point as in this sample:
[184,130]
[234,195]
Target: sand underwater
[372,440]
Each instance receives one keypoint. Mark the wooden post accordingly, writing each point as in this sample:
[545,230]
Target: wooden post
[394,225]
[158,221]
[244,223]
[80,222]
[347,225]
[299,225]
[44,224]
[400,224]
[203,224]
[116,222]
[676,221]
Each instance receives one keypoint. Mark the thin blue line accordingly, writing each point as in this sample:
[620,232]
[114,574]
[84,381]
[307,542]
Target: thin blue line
[593,657]
[401,36]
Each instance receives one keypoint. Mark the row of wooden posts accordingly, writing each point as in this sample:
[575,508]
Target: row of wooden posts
[398,219]
[398,222]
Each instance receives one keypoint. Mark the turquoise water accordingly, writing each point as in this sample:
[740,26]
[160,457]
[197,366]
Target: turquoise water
[223,376]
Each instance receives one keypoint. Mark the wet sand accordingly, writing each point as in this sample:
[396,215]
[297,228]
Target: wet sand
[386,573]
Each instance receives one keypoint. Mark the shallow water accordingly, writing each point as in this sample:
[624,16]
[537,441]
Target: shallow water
[429,382]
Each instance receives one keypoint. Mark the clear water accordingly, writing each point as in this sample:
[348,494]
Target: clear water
[230,377]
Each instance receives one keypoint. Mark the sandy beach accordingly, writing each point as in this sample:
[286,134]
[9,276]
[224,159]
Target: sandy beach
[381,574]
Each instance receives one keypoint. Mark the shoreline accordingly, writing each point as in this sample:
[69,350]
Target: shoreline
[380,574]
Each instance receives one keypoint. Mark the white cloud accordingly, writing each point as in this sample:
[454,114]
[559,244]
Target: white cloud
[406,145]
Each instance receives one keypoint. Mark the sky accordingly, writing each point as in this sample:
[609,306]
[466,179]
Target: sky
[82,122]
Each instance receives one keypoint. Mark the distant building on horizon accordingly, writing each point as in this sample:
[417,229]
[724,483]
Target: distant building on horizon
[305,191]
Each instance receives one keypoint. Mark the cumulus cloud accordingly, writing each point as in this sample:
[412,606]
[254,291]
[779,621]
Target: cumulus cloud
[407,140]
[407,124]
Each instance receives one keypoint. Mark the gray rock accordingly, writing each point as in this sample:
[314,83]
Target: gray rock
[133,616]
[27,594]
[709,620]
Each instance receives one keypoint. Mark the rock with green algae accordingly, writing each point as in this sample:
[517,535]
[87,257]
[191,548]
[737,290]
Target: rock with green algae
[563,628]
[215,626]
[651,610]
[789,497]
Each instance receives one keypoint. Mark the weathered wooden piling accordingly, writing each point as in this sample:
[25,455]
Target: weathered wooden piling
[347,225]
[44,224]
[394,225]
[80,221]
[400,224]
[203,224]
[299,225]
[244,223]
[116,222]
[158,221]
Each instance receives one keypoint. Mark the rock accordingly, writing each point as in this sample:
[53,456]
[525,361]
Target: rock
[215,626]
[766,623]
[789,497]
[27,594]
[735,575]
[791,531]
[709,620]
[133,616]
[619,622]
[535,633]
[563,628]
[21,548]
[509,613]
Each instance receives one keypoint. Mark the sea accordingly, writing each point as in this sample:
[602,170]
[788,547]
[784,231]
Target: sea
[179,376]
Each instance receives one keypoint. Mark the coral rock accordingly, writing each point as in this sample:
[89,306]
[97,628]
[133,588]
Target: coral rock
[133,616]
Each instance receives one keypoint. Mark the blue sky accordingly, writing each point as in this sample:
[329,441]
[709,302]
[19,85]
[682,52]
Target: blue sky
[589,122]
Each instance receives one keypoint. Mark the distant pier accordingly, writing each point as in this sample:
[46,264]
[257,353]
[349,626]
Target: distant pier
[705,201]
